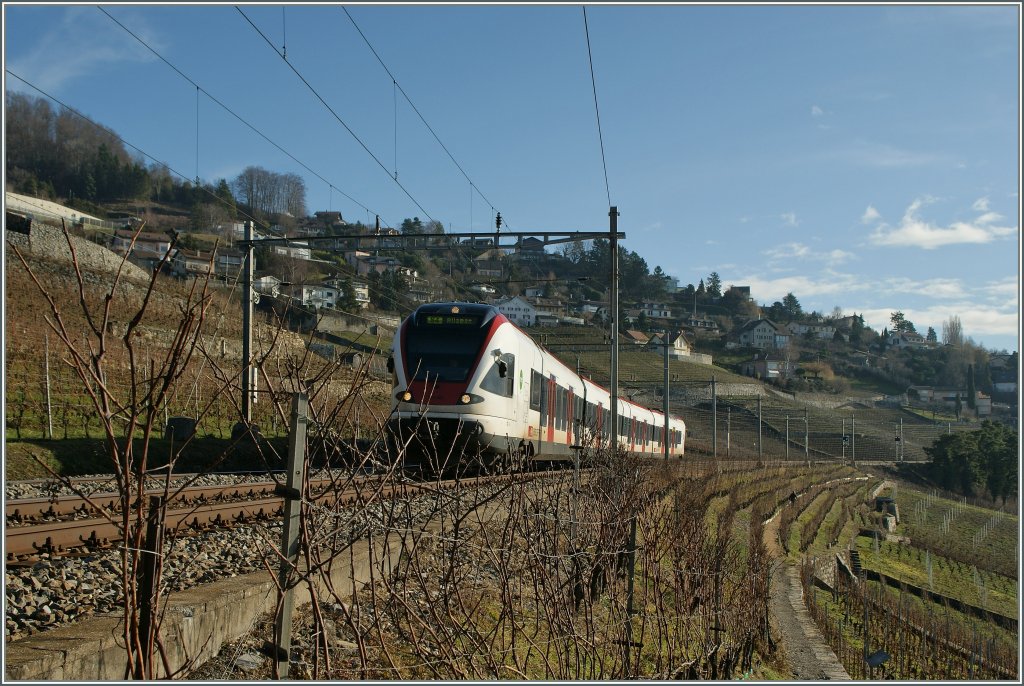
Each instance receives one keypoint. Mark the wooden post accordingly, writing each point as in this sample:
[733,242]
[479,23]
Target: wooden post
[49,409]
[292,492]
[714,417]
[148,570]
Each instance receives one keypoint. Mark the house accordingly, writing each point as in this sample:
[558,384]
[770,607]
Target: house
[360,290]
[229,263]
[369,264]
[530,248]
[742,291]
[297,250]
[1003,369]
[267,285]
[315,295]
[191,262]
[659,310]
[636,337]
[768,365]
[825,332]
[701,323]
[517,310]
[550,306]
[764,334]
[932,395]
[907,339]
[679,347]
[146,245]
[489,263]
[534,291]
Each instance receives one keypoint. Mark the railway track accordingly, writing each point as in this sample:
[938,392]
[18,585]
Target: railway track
[72,525]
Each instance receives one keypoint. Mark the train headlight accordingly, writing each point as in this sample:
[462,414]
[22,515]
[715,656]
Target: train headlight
[465,399]
[405,397]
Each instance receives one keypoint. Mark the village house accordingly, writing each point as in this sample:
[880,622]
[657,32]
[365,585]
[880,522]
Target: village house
[825,332]
[907,339]
[147,245]
[763,334]
[768,365]
[517,310]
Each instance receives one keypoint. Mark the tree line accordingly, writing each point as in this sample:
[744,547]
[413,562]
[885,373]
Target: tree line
[975,462]
[58,155]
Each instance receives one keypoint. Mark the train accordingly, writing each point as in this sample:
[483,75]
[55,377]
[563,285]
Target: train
[469,382]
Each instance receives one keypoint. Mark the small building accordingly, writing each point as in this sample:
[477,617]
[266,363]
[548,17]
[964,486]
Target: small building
[764,334]
[517,310]
[768,365]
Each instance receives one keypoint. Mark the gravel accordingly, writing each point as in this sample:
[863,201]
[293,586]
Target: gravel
[59,590]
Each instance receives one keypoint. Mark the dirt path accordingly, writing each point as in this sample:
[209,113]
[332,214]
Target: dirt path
[809,656]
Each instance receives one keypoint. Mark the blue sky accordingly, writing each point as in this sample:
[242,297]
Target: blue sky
[865,157]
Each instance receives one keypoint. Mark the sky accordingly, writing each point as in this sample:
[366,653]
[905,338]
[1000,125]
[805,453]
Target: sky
[865,157]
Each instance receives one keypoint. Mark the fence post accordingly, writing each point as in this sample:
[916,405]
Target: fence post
[292,492]
[714,416]
[49,409]
[760,453]
[149,584]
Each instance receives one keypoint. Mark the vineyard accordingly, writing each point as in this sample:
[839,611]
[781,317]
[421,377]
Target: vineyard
[940,598]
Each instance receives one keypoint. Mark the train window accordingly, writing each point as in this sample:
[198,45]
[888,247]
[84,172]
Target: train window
[543,401]
[536,389]
[561,409]
[442,355]
[495,383]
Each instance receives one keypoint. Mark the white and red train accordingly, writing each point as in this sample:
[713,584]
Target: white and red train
[467,381]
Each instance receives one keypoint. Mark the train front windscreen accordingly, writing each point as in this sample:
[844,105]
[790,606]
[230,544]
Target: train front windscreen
[443,347]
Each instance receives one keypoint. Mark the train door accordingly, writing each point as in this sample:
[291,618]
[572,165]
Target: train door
[570,424]
[552,402]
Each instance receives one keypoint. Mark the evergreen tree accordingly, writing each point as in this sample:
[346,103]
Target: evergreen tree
[932,337]
[971,391]
[714,285]
[791,306]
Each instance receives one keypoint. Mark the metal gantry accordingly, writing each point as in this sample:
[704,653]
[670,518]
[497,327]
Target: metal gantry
[391,240]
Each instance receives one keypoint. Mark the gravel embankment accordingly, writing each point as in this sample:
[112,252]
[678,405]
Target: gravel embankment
[50,243]
[61,590]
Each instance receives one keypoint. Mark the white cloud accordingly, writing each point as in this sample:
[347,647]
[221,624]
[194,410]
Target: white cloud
[789,218]
[870,215]
[915,232]
[816,111]
[980,205]
[978,320]
[80,43]
[656,226]
[800,251]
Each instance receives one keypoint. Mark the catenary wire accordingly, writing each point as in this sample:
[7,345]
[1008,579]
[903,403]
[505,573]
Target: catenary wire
[236,115]
[597,111]
[134,147]
[335,114]
[418,113]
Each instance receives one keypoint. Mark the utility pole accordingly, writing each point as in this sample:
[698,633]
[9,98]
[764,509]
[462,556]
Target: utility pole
[760,453]
[728,432]
[665,396]
[807,442]
[787,437]
[714,417]
[613,241]
[853,443]
[247,309]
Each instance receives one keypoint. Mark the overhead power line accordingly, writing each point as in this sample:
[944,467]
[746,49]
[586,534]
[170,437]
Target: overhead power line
[597,111]
[234,114]
[418,113]
[335,114]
